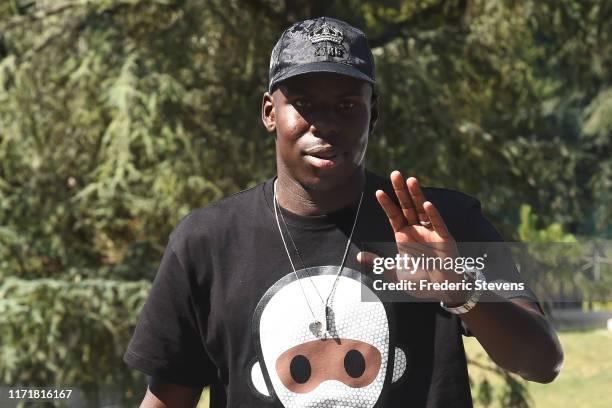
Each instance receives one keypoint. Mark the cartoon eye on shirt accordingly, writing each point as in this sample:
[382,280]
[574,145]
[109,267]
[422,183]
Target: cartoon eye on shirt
[301,368]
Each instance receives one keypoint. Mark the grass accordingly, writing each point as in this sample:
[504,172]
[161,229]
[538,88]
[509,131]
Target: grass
[585,380]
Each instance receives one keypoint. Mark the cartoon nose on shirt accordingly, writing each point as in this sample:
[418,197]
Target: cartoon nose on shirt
[352,362]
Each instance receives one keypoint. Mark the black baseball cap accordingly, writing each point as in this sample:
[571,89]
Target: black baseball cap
[321,44]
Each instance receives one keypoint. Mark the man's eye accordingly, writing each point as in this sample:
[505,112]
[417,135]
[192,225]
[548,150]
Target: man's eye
[302,103]
[347,105]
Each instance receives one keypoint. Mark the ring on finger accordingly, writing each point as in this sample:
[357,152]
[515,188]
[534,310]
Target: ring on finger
[426,224]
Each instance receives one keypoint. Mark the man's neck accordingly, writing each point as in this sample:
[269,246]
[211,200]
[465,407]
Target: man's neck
[294,197]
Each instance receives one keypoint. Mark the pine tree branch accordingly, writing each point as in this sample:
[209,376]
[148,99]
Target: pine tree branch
[416,22]
[39,14]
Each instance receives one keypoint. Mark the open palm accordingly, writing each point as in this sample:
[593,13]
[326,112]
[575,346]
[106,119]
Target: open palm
[419,231]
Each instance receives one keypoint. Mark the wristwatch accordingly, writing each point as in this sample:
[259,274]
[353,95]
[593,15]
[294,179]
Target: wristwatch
[477,275]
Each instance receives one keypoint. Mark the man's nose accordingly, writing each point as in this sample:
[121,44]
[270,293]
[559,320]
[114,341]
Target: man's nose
[324,122]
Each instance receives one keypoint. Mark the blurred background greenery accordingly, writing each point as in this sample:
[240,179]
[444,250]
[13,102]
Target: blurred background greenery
[118,117]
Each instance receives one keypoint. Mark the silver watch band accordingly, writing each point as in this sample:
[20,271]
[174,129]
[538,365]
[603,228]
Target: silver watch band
[473,299]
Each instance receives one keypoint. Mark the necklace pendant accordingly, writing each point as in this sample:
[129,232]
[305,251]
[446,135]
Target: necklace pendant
[316,328]
[329,316]
[328,327]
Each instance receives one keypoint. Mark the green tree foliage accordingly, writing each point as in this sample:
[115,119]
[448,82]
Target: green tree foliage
[118,117]
[497,98]
[561,269]
[68,333]
[512,394]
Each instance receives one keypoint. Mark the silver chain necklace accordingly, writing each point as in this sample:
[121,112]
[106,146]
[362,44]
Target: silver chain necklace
[315,327]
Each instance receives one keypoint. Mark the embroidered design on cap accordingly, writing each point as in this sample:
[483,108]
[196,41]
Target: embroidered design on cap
[325,32]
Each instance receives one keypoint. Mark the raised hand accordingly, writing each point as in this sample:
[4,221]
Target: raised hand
[419,231]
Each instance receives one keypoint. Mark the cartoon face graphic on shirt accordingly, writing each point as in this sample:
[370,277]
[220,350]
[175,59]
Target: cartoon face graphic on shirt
[350,367]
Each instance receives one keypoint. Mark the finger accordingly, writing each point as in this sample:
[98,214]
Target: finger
[366,258]
[403,195]
[436,220]
[391,275]
[367,261]
[418,198]
[396,217]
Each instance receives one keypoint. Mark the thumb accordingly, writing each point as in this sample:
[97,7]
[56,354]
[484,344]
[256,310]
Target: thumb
[366,258]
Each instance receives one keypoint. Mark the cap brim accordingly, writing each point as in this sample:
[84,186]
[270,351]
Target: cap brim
[324,66]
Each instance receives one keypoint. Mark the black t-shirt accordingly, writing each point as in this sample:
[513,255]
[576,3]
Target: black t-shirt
[227,310]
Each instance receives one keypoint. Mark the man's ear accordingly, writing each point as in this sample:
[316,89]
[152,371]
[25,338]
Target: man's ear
[268,114]
[373,112]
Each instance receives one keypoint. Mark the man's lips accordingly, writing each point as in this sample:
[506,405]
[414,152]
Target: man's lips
[322,152]
[323,157]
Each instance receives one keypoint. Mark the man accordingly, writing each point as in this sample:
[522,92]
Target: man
[260,295]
